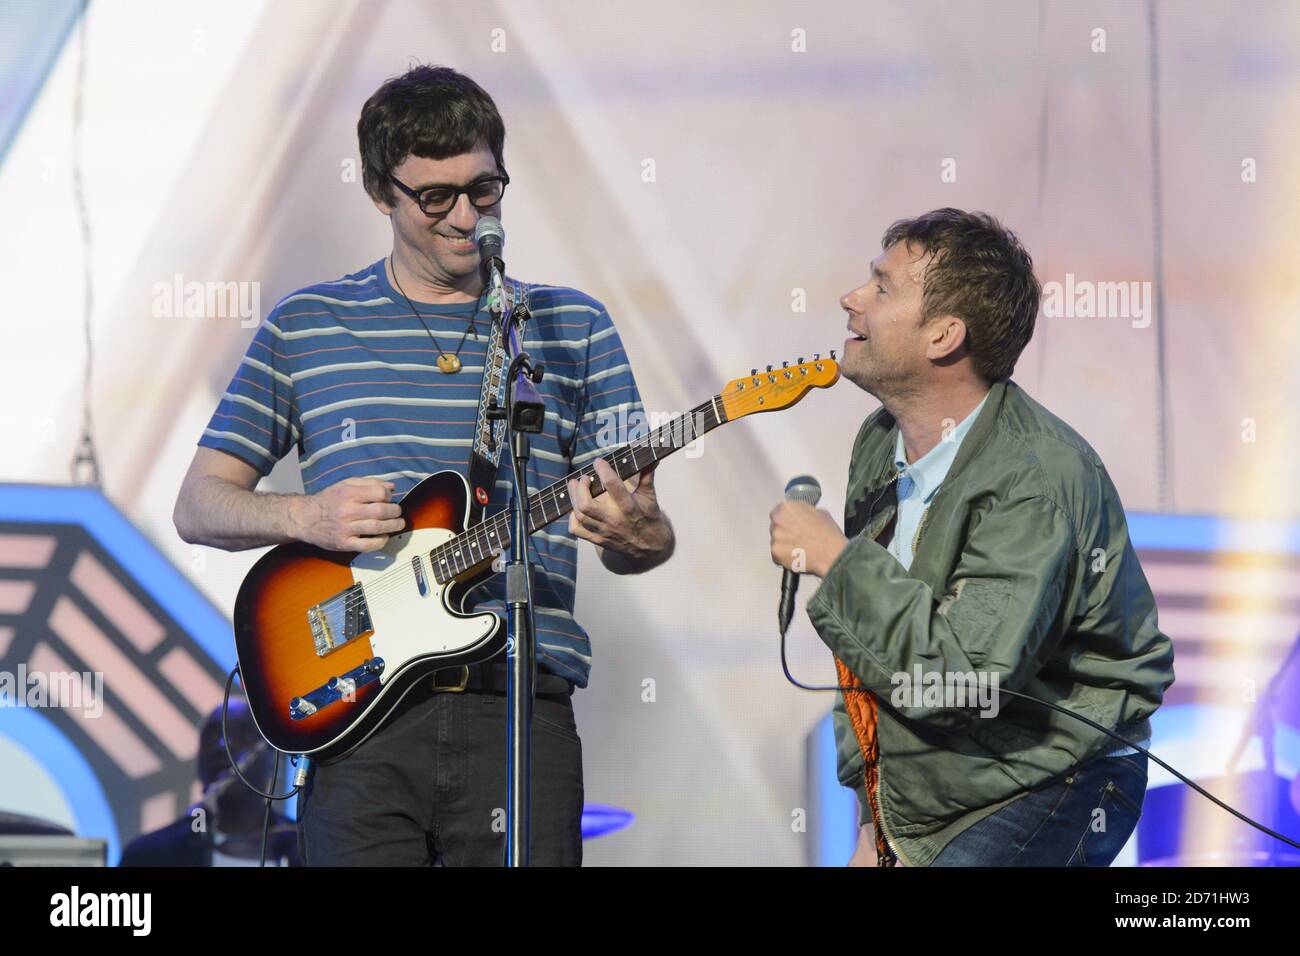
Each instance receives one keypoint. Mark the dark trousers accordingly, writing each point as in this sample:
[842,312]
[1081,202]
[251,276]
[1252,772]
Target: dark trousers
[429,788]
[1083,819]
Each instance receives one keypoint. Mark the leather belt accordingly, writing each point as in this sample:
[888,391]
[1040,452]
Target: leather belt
[490,678]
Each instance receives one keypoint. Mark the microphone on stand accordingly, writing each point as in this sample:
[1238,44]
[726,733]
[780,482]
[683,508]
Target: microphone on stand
[528,410]
[803,488]
[491,239]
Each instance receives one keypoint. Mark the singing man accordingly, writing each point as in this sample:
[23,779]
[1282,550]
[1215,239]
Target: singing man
[984,550]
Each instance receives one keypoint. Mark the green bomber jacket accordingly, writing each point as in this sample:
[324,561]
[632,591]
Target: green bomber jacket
[1024,574]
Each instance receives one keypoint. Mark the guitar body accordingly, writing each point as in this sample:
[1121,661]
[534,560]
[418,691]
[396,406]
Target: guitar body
[330,642]
[315,689]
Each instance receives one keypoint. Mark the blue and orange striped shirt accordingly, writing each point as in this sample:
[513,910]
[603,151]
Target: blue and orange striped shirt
[345,371]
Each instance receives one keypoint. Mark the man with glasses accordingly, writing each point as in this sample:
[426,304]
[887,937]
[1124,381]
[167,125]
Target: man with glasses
[376,378]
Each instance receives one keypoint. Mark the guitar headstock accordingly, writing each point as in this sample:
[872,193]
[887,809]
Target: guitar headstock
[777,388]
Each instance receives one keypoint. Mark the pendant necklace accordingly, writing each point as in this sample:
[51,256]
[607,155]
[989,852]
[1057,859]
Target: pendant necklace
[448,362]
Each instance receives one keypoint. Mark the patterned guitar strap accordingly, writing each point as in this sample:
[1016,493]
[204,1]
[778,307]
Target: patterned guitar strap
[489,436]
[860,705]
[863,714]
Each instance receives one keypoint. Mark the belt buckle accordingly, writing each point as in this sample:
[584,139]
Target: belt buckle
[451,688]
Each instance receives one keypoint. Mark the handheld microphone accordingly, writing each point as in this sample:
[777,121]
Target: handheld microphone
[803,488]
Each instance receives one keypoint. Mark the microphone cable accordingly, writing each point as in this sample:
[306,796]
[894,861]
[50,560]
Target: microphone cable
[864,688]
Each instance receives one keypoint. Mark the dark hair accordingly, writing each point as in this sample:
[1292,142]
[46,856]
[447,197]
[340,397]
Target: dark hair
[979,273]
[429,111]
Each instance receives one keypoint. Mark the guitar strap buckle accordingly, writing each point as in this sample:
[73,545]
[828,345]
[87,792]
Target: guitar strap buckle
[456,688]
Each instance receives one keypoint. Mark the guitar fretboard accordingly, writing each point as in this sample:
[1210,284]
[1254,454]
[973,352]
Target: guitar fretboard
[492,536]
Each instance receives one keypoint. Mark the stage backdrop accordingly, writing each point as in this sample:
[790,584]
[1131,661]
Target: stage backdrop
[718,175]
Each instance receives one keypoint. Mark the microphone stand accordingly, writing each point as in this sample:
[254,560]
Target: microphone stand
[524,414]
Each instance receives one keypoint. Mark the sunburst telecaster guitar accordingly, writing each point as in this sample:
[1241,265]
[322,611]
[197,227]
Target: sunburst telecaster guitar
[329,641]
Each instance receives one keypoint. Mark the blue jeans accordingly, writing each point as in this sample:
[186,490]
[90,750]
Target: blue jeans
[1082,819]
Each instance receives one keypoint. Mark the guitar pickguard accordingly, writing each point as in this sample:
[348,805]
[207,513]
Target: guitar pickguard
[409,614]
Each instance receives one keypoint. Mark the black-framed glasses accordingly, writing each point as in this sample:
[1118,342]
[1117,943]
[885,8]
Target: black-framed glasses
[483,193]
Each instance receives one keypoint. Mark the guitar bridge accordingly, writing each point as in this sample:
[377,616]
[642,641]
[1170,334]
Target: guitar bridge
[338,620]
[338,688]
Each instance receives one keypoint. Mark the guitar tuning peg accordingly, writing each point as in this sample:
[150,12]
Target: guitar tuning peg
[769,368]
[800,362]
[832,355]
[753,371]
[785,364]
[817,356]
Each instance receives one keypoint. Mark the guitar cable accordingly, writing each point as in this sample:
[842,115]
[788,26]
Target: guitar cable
[299,760]
[876,689]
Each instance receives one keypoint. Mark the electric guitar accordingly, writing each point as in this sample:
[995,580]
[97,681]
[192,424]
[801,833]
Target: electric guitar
[329,641]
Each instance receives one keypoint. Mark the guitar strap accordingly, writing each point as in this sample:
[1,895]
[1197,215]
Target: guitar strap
[489,436]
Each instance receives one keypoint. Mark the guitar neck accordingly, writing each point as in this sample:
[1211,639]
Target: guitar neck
[492,536]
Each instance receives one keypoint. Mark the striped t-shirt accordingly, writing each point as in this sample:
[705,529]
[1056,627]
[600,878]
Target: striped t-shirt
[345,371]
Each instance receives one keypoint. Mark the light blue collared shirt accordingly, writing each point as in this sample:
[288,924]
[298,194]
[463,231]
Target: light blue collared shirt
[918,482]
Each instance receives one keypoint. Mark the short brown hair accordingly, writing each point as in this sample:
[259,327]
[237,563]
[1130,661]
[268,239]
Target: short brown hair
[979,273]
[429,111]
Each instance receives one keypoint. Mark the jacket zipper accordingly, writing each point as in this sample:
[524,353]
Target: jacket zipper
[916,538]
[871,509]
[916,543]
[879,754]
[888,842]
